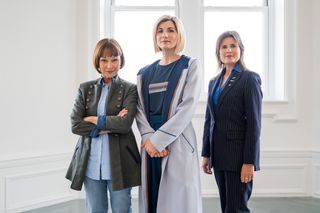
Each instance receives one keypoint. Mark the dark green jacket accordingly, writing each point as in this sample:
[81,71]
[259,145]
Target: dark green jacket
[124,153]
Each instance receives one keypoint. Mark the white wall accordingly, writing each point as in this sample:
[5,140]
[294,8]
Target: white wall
[316,73]
[45,51]
[38,72]
[315,96]
[40,66]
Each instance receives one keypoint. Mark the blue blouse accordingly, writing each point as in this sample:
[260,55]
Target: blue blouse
[99,167]
[218,90]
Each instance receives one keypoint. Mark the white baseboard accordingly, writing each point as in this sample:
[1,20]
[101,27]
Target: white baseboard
[35,182]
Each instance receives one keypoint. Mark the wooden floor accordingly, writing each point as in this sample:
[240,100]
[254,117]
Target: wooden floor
[211,205]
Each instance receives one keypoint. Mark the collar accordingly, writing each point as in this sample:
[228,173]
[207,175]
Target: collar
[236,69]
[102,83]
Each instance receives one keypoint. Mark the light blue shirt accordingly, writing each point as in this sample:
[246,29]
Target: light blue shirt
[99,167]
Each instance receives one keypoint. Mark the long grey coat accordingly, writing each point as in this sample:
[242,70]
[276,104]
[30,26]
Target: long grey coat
[124,153]
[179,189]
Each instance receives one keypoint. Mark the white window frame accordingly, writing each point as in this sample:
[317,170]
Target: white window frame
[275,89]
[108,9]
[264,11]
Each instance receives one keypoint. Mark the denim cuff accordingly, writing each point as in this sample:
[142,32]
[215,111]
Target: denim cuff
[94,132]
[101,123]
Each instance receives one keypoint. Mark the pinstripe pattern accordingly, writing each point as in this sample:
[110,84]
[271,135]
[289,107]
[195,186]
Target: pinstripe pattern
[232,136]
[232,129]
[234,195]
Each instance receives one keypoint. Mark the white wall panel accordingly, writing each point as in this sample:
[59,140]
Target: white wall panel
[316,174]
[288,175]
[281,180]
[316,183]
[29,189]
[30,183]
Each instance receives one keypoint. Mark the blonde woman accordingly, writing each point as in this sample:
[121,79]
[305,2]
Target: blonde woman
[168,91]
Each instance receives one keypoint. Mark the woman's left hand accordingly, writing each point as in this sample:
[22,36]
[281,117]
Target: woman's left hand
[123,112]
[247,172]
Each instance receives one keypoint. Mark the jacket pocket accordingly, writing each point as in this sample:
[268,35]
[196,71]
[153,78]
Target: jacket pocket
[187,143]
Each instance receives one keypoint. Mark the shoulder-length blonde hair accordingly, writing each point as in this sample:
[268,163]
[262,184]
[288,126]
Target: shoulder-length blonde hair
[180,30]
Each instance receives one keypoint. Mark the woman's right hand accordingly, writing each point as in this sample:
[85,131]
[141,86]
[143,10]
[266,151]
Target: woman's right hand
[205,166]
[103,132]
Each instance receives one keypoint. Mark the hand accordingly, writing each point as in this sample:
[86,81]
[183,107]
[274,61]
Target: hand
[150,149]
[102,132]
[123,112]
[164,153]
[247,171]
[91,119]
[205,166]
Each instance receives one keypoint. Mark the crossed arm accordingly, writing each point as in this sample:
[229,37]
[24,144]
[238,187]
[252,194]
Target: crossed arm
[94,120]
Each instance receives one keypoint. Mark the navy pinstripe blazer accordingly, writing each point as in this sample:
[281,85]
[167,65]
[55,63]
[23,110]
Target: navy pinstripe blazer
[232,128]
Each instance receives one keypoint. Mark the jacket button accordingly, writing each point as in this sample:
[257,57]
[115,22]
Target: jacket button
[118,106]
[119,98]
[87,107]
[87,99]
[91,86]
[116,135]
[89,93]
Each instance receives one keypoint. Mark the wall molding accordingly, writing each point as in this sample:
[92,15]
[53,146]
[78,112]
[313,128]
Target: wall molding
[38,196]
[12,180]
[316,183]
[283,173]
[30,160]
[316,173]
[32,182]
[286,153]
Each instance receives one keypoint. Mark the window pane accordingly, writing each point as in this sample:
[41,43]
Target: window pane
[252,36]
[144,2]
[235,3]
[133,30]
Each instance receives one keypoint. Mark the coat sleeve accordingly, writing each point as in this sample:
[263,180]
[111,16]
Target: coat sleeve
[172,129]
[206,129]
[117,124]
[79,126]
[142,122]
[253,104]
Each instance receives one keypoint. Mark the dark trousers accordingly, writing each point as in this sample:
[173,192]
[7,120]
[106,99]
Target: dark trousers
[234,195]
[154,171]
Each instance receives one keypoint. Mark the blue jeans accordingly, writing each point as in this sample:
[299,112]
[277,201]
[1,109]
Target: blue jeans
[97,197]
